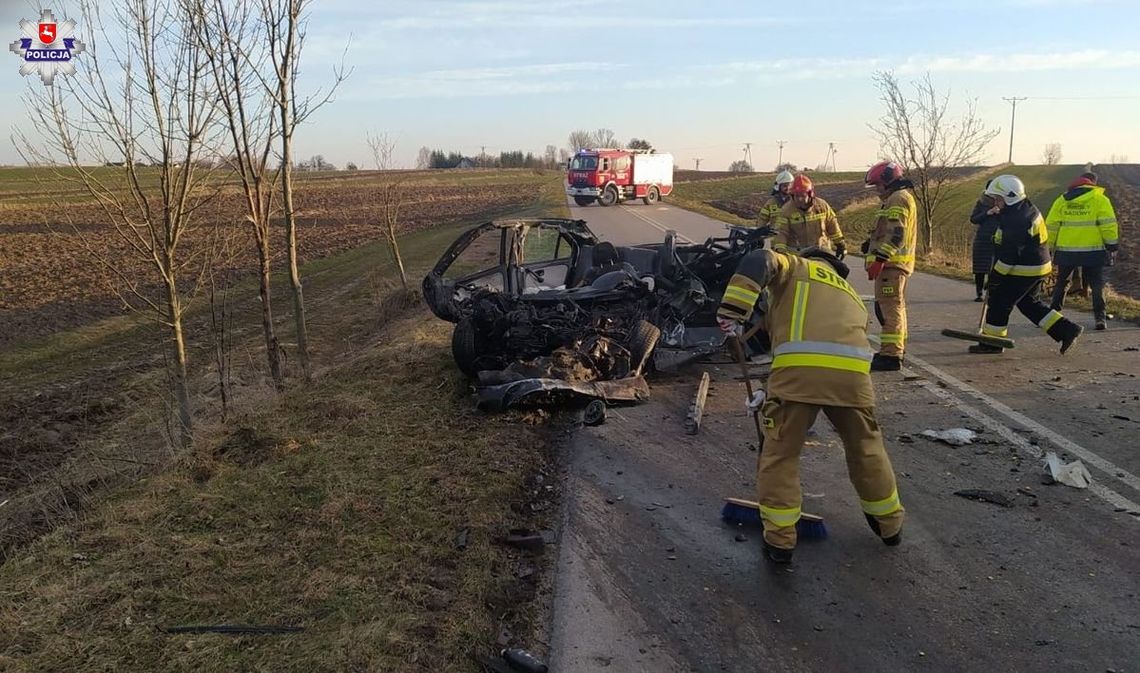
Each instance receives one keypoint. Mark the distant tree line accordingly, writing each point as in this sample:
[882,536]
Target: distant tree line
[428,158]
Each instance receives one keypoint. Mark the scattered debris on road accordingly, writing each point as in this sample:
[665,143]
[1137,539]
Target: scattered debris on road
[1073,474]
[981,495]
[697,407]
[595,413]
[953,436]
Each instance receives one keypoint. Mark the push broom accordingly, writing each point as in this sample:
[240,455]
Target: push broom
[978,336]
[735,510]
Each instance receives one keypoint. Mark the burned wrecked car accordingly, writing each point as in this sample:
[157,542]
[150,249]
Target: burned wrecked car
[543,309]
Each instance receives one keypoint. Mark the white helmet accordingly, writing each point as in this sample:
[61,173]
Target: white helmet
[784,178]
[1009,187]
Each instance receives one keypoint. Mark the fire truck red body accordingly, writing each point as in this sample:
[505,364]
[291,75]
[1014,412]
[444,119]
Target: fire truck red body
[610,176]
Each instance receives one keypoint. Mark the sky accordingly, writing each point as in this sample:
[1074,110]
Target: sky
[700,79]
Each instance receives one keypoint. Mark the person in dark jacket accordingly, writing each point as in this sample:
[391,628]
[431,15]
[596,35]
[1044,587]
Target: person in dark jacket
[985,217]
[1022,262]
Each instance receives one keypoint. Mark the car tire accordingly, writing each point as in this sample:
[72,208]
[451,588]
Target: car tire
[609,196]
[583,200]
[652,196]
[642,340]
[464,348]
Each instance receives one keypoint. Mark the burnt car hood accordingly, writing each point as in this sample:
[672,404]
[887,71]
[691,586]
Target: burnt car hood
[440,293]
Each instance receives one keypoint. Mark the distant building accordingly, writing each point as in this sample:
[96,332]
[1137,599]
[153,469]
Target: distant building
[466,162]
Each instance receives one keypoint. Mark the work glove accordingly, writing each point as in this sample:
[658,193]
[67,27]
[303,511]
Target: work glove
[756,401]
[1110,260]
[840,250]
[876,268]
[865,247]
[729,327]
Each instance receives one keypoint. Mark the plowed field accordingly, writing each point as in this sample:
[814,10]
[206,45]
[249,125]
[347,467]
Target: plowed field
[1123,187]
[49,281]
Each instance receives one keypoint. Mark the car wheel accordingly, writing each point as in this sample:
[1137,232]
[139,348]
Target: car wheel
[609,196]
[642,340]
[652,196]
[464,346]
[583,200]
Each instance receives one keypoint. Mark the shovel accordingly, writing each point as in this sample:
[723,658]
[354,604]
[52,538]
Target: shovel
[987,339]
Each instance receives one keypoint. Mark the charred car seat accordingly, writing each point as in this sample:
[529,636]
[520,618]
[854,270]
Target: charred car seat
[606,261]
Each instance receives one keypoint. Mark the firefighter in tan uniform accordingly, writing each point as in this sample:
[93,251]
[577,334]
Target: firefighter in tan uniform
[890,259]
[818,327]
[780,196]
[807,221]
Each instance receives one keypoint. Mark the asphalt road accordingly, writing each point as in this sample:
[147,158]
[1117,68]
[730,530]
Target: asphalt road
[649,579]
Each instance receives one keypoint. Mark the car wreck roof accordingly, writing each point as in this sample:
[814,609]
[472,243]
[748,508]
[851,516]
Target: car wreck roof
[573,225]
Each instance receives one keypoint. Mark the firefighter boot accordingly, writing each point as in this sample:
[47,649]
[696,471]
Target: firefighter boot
[892,541]
[886,363]
[1065,332]
[1101,323]
[777,555]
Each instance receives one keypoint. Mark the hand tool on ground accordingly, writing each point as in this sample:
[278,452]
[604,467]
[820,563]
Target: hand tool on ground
[987,339]
[736,510]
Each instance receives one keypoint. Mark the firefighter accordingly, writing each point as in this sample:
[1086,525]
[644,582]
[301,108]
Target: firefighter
[1083,233]
[780,196]
[890,259]
[818,326]
[807,221]
[1022,263]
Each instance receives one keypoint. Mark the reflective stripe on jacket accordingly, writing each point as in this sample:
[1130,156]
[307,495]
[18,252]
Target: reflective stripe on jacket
[895,235]
[1021,239]
[798,229]
[817,324]
[769,211]
[1081,225]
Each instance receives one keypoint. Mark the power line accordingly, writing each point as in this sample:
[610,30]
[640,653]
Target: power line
[1012,118]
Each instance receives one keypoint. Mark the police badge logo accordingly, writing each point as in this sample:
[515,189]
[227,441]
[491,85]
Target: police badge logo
[47,47]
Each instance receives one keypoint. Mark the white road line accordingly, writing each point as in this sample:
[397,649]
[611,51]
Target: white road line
[1103,492]
[654,223]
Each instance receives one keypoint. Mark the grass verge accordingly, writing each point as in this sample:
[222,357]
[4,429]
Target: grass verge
[337,507]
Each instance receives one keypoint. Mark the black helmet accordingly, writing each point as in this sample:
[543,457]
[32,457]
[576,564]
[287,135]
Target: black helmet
[816,252]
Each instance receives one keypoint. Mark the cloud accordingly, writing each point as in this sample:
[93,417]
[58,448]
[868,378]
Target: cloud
[500,81]
[585,75]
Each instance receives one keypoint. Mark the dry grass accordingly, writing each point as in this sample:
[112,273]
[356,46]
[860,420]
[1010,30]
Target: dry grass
[334,507]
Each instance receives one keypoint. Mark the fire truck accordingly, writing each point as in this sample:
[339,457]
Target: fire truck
[610,176]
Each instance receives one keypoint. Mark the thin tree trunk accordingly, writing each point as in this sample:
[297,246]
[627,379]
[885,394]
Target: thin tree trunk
[291,244]
[399,261]
[181,383]
[272,345]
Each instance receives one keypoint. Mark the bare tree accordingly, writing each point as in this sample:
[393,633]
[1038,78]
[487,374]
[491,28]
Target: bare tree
[580,140]
[1051,155]
[550,157]
[423,158]
[233,39]
[740,166]
[381,146]
[606,138]
[148,99]
[919,133]
[284,22]
[639,144]
[391,199]
[563,156]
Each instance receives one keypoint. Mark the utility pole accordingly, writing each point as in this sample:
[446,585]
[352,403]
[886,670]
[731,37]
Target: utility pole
[698,163]
[748,154]
[780,156]
[1012,118]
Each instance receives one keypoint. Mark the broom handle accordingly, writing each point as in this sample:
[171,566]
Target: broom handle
[985,307]
[738,353]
